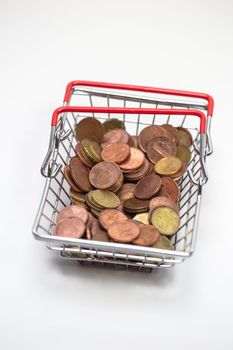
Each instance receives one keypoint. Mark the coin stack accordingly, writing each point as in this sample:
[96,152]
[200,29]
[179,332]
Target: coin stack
[124,188]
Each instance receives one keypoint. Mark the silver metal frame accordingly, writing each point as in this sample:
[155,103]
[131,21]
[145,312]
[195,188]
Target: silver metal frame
[56,191]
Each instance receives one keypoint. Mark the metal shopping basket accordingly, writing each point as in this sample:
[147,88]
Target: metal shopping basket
[56,192]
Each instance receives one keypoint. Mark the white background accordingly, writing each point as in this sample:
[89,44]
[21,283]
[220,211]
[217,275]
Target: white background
[51,304]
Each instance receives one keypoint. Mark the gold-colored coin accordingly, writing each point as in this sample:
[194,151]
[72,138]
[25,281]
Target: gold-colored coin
[106,199]
[142,217]
[87,150]
[95,150]
[183,153]
[166,220]
[91,203]
[163,243]
[168,166]
[111,124]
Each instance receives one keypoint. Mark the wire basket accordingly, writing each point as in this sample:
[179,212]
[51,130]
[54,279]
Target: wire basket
[62,147]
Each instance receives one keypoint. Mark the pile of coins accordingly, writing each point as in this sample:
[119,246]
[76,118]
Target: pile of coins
[124,188]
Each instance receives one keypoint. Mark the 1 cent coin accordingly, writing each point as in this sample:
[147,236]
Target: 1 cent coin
[116,152]
[159,148]
[110,216]
[80,174]
[172,131]
[134,161]
[98,234]
[148,134]
[89,128]
[147,187]
[104,175]
[69,179]
[124,231]
[148,235]
[74,211]
[171,188]
[162,202]
[115,136]
[70,227]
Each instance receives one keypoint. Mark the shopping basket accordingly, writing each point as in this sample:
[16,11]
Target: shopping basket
[56,192]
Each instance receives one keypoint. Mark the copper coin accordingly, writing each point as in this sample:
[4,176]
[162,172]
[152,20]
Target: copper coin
[90,220]
[74,211]
[137,174]
[81,156]
[134,161]
[70,227]
[172,132]
[162,202]
[69,179]
[171,188]
[80,174]
[112,123]
[126,192]
[163,193]
[124,231]
[104,175]
[148,235]
[115,136]
[147,187]
[148,134]
[98,234]
[88,232]
[134,205]
[110,216]
[115,152]
[159,148]
[89,128]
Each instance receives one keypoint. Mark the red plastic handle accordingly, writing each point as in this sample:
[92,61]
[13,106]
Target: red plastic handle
[121,110]
[199,95]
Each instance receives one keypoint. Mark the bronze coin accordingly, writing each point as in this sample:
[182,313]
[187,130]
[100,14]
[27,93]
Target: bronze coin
[133,141]
[82,157]
[172,131]
[147,187]
[115,152]
[70,227]
[98,234]
[89,128]
[73,211]
[124,231]
[88,232]
[134,161]
[90,220]
[134,205]
[163,193]
[109,216]
[162,202]
[126,192]
[115,136]
[80,174]
[104,175]
[148,134]
[148,235]
[69,179]
[171,188]
[159,148]
[139,173]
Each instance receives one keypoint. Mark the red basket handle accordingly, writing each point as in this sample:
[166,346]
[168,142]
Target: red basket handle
[199,95]
[121,110]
